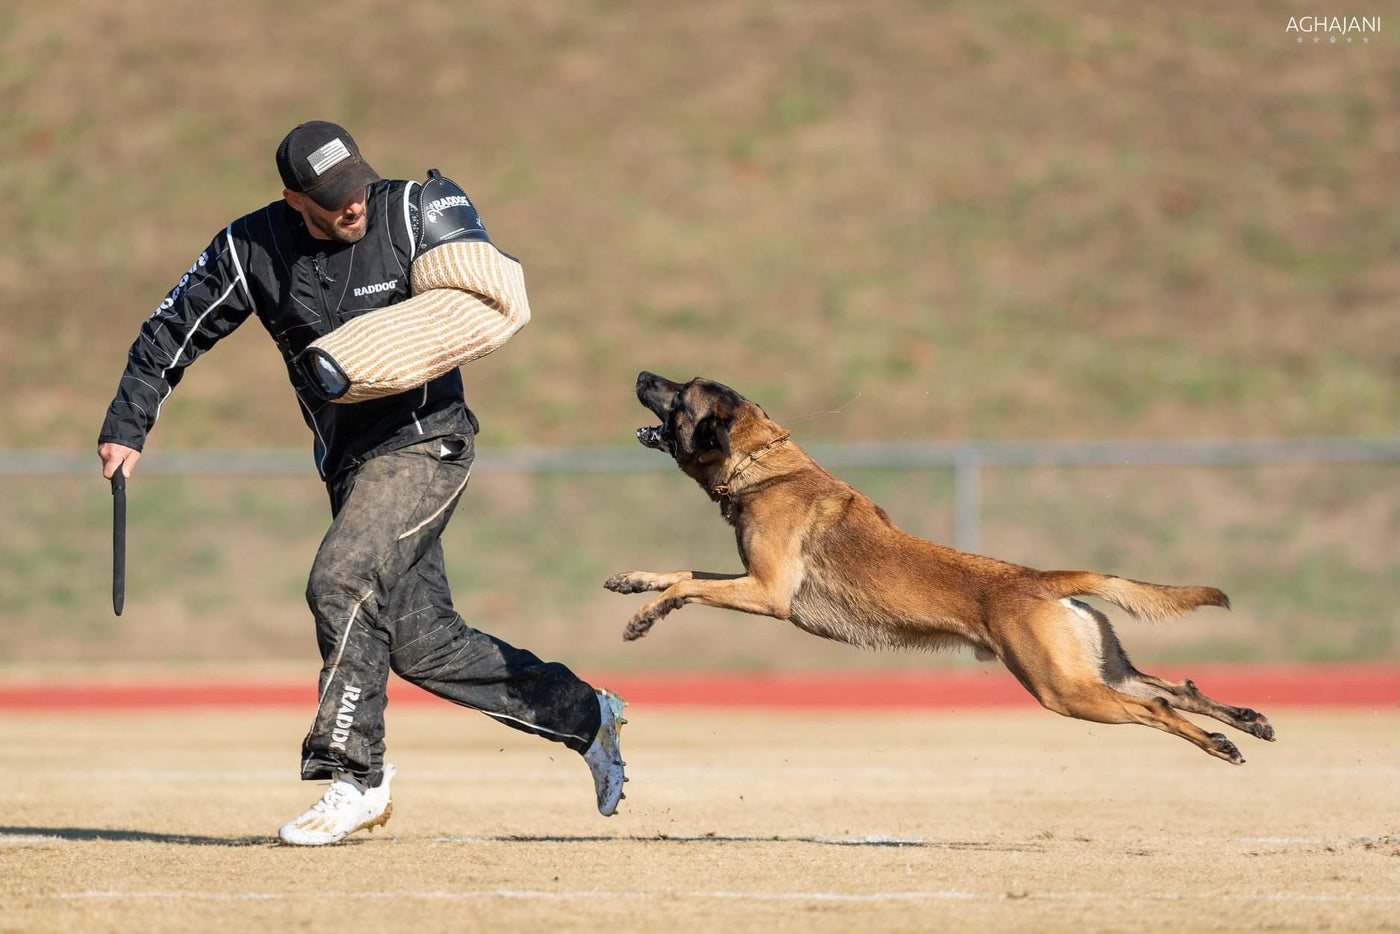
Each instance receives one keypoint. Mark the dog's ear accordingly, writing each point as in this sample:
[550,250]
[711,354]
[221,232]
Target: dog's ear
[722,434]
[721,417]
[712,433]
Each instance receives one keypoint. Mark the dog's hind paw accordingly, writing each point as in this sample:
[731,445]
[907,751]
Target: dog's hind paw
[1255,723]
[1224,749]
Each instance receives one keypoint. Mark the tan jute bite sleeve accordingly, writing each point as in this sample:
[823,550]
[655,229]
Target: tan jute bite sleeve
[468,299]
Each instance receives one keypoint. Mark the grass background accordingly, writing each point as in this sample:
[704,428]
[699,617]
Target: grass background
[889,221]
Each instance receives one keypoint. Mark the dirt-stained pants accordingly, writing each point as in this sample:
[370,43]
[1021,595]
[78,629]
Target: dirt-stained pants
[381,601]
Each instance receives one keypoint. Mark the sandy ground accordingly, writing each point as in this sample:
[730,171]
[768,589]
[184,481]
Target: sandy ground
[734,821]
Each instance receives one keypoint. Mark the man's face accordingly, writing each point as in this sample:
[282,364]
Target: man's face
[347,224]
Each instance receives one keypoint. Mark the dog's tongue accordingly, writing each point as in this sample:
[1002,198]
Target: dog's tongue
[651,437]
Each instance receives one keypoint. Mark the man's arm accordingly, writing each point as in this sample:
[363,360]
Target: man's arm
[468,300]
[208,303]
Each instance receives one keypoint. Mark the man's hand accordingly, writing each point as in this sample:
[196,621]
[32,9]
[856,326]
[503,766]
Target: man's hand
[117,456]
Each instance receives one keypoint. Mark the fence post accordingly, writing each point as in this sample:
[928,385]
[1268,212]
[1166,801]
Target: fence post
[967,499]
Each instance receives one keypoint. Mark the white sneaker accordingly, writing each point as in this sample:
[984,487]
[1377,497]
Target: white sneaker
[347,806]
[604,757]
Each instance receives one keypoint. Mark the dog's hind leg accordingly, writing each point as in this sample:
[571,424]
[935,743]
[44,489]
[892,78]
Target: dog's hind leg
[1102,704]
[1076,670]
[1183,695]
[1120,675]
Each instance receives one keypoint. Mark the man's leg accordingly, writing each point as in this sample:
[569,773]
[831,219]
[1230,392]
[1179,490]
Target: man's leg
[394,508]
[434,648]
[380,596]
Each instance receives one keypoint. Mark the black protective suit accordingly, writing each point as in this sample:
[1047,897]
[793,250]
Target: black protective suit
[395,468]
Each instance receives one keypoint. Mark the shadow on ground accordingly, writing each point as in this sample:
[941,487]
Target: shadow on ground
[140,836]
[880,841]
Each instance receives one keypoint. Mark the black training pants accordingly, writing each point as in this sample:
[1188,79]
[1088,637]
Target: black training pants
[381,601]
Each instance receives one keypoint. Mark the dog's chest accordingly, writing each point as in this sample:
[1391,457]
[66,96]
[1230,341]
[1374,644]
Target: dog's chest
[819,609]
[832,604]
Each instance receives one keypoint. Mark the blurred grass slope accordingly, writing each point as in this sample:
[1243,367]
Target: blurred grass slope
[897,220]
[1307,554]
[993,220]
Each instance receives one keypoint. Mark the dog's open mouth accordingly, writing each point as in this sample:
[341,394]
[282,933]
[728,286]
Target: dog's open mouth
[653,436]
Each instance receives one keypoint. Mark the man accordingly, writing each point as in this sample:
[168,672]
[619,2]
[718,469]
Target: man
[345,252]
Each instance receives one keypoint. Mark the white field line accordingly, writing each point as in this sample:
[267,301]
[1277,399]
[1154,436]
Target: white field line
[22,839]
[873,840]
[880,840]
[549,773]
[722,895]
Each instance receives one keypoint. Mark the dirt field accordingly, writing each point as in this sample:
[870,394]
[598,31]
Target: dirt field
[989,821]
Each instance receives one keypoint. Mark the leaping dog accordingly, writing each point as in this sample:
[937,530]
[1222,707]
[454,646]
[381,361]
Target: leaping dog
[819,553]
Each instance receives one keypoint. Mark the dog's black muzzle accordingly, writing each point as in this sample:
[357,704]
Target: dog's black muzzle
[657,394]
[653,436]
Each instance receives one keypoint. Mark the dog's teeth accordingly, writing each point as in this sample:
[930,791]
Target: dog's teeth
[651,436]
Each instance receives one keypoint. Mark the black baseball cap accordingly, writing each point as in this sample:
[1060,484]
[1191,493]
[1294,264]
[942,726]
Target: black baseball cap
[320,160]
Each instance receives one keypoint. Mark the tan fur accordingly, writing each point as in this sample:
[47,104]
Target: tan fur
[822,555]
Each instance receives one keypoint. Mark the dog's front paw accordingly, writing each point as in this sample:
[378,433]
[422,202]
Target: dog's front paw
[636,629]
[629,582]
[642,622]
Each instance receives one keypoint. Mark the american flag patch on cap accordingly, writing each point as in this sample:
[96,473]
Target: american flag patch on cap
[328,155]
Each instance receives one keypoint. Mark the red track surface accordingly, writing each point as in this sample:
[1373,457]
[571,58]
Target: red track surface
[1349,685]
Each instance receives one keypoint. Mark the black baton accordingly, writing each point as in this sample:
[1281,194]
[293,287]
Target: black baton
[118,541]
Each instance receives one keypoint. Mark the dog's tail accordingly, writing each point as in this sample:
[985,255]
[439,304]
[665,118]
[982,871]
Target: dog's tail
[1141,599]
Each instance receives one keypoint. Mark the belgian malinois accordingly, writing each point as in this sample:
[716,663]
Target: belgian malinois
[819,553]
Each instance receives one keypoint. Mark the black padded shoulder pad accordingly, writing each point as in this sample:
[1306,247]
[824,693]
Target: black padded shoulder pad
[445,214]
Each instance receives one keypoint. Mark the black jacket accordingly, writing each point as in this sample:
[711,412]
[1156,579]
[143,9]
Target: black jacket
[267,264]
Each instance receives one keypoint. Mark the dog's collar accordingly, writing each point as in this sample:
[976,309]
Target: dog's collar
[723,489]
